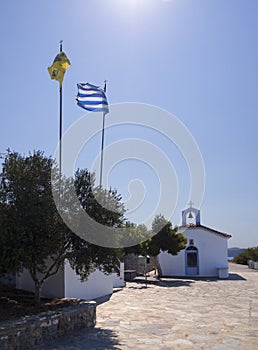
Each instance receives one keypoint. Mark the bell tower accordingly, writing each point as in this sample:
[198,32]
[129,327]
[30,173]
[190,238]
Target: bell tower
[191,216]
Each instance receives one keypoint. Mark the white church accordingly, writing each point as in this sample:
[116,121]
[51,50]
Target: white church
[205,254]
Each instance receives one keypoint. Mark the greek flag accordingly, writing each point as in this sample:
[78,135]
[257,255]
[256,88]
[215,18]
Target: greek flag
[92,98]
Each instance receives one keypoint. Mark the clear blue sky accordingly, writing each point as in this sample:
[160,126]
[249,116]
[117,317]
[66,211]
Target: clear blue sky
[196,59]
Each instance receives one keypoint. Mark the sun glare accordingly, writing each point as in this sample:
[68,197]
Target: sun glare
[135,5]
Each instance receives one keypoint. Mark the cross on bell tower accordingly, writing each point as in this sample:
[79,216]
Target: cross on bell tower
[191,213]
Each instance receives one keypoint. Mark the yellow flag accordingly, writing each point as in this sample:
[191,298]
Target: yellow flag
[59,66]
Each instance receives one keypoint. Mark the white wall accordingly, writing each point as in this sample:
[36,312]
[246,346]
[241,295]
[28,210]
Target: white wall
[67,284]
[118,279]
[97,285]
[212,250]
[53,286]
[172,265]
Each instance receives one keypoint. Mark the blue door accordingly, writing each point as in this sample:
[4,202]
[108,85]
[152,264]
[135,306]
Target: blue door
[192,266]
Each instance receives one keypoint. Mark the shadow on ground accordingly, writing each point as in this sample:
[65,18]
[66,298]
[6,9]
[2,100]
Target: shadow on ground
[178,281]
[90,338]
[141,283]
[236,277]
[103,299]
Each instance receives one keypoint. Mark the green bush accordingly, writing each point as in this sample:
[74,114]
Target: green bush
[248,254]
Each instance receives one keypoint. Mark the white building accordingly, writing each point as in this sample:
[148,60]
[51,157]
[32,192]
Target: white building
[205,254]
[66,284]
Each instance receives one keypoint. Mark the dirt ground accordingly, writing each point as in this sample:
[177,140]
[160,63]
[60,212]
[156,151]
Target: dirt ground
[15,303]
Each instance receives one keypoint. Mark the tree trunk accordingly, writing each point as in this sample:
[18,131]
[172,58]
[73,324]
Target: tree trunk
[157,267]
[38,287]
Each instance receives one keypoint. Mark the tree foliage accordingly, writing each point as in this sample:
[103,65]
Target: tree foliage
[162,237]
[137,233]
[248,254]
[32,231]
[33,235]
[166,238]
[106,208]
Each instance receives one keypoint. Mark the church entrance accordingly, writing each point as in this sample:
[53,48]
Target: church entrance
[192,267]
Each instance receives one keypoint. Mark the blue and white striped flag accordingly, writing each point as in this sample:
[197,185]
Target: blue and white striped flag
[92,98]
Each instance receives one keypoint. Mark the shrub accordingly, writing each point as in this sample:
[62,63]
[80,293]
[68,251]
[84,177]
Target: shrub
[248,254]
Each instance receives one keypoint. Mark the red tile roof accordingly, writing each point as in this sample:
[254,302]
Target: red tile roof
[226,235]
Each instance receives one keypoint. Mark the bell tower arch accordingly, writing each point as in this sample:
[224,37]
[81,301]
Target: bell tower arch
[191,216]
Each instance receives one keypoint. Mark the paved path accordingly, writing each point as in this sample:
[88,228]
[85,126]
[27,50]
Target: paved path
[176,314]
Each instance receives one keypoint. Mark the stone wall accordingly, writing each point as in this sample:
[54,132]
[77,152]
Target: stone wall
[134,262]
[30,331]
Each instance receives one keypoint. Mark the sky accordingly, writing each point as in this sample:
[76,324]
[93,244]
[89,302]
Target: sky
[195,60]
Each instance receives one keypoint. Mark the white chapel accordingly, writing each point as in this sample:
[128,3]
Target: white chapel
[205,254]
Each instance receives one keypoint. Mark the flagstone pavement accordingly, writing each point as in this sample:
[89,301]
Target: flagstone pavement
[176,314]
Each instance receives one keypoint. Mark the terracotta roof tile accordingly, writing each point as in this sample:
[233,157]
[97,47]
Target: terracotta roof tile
[226,235]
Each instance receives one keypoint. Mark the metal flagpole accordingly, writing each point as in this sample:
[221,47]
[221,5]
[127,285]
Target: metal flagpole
[60,122]
[102,142]
[60,128]
[57,71]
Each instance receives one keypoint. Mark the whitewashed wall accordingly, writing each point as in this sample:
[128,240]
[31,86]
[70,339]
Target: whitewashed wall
[118,279]
[53,287]
[67,284]
[212,250]
[172,265]
[97,285]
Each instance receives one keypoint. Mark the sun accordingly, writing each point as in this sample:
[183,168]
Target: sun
[134,5]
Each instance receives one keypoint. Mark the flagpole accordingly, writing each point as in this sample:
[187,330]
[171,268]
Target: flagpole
[57,71]
[60,121]
[60,126]
[102,142]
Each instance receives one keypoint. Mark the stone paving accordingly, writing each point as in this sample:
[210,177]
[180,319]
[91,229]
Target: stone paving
[176,314]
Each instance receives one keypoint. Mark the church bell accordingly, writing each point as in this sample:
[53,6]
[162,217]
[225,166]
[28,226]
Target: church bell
[190,216]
